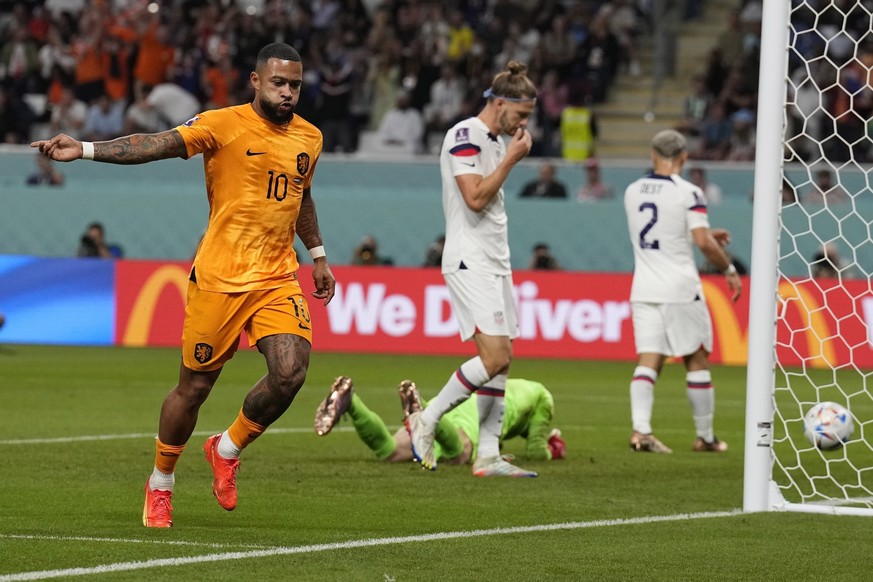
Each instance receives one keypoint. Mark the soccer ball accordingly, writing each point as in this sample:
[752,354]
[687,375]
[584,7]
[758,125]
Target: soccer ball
[828,425]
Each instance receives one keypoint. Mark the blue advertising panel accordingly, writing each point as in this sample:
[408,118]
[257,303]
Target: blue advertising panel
[57,301]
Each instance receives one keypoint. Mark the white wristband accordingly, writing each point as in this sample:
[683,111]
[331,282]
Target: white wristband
[731,270]
[87,150]
[316,252]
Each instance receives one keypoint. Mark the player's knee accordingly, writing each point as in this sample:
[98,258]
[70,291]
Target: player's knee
[286,383]
[194,390]
[497,363]
[194,387]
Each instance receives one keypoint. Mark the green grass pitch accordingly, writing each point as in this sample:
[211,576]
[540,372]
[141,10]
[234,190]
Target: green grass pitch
[323,508]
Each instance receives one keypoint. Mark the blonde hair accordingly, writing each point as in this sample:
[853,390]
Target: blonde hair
[668,143]
[512,83]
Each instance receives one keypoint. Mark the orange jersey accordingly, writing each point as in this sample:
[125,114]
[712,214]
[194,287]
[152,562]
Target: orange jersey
[256,172]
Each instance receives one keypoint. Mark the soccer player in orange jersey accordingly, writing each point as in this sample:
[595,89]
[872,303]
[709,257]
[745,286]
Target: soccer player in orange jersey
[259,160]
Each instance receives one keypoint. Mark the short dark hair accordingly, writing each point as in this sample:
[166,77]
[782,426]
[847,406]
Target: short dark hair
[278,50]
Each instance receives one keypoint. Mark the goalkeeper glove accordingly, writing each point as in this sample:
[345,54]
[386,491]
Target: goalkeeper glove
[556,444]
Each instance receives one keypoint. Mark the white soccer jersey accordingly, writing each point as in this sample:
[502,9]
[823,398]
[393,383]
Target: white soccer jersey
[478,240]
[661,213]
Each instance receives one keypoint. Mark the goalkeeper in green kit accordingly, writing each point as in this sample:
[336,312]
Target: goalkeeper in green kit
[528,414]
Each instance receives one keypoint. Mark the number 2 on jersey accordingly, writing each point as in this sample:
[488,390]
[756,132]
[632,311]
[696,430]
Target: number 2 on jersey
[649,244]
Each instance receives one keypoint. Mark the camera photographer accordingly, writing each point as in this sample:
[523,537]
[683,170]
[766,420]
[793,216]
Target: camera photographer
[367,253]
[543,259]
[434,255]
[93,244]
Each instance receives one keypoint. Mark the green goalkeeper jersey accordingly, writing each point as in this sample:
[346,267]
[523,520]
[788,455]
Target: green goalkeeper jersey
[528,414]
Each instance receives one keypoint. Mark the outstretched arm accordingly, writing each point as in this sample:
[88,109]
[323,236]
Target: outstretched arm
[138,148]
[307,230]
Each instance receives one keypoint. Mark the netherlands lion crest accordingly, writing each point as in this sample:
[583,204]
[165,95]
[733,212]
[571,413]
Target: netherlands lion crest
[302,163]
[202,352]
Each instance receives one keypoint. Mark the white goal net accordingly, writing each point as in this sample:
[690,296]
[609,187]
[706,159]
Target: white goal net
[812,259]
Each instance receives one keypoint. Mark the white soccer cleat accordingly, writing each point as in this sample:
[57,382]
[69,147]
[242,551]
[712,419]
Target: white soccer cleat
[498,467]
[422,441]
[647,443]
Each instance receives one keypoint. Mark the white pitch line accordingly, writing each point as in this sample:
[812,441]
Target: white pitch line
[138,435]
[266,553]
[143,435]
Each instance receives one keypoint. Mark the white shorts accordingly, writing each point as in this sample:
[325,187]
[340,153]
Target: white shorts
[483,303]
[672,329]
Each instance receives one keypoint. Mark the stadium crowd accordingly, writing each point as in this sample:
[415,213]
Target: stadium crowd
[719,112]
[101,69]
[829,90]
[97,70]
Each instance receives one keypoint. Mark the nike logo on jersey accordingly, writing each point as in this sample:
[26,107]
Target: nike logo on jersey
[249,152]
[301,326]
[469,164]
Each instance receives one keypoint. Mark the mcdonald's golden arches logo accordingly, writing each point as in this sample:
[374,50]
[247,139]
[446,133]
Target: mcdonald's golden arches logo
[142,313]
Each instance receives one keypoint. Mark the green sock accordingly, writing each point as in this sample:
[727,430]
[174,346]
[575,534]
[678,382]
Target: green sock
[446,434]
[371,428]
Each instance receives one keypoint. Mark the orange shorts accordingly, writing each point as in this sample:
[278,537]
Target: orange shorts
[214,321]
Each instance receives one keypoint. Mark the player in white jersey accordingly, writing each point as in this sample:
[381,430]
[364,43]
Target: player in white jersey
[474,163]
[666,215]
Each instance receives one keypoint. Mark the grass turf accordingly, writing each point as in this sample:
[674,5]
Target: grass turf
[76,504]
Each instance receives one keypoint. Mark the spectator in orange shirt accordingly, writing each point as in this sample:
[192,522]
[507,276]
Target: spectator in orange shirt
[219,82]
[89,68]
[58,80]
[155,56]
[116,69]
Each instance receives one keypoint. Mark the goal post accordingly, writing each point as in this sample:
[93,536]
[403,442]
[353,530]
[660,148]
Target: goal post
[824,351]
[760,375]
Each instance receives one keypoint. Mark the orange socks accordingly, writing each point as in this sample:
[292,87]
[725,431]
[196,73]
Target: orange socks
[166,456]
[240,434]
[243,431]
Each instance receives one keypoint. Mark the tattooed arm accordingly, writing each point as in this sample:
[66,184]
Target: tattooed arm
[307,230]
[307,222]
[138,148]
